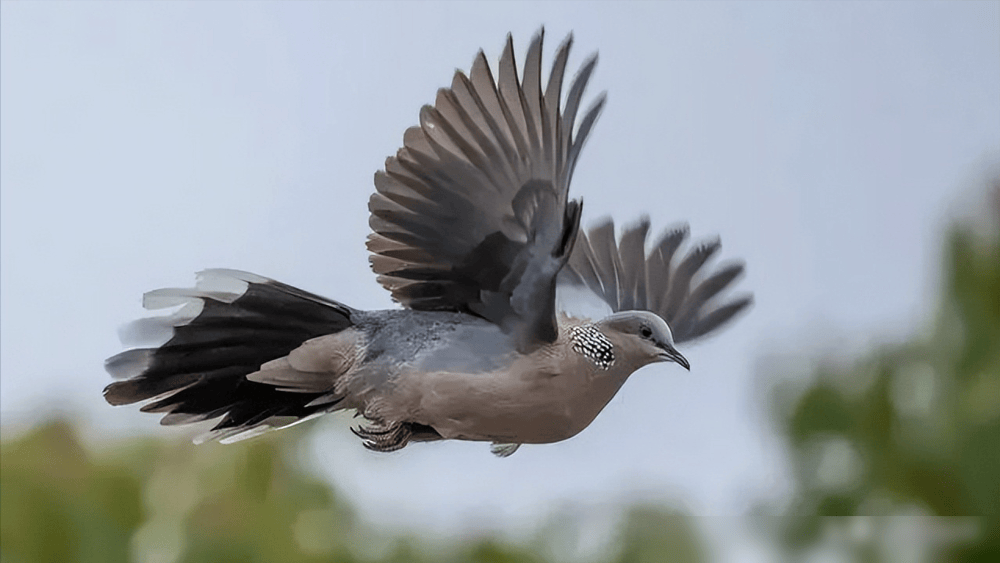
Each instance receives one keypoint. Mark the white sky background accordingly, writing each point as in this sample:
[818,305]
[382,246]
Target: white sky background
[142,142]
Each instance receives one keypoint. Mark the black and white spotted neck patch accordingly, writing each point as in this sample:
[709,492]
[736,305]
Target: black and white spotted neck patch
[592,343]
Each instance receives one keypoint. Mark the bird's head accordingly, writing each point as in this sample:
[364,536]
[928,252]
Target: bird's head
[642,337]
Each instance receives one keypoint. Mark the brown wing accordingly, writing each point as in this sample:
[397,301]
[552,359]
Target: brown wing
[472,213]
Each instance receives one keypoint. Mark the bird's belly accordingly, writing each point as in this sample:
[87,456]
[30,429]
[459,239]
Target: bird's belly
[535,409]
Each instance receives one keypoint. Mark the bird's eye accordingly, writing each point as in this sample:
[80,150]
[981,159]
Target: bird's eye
[645,332]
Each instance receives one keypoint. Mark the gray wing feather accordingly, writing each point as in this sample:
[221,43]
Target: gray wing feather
[678,289]
[606,260]
[472,213]
[697,298]
[551,129]
[680,283]
[532,102]
[633,258]
[658,266]
[511,99]
[585,126]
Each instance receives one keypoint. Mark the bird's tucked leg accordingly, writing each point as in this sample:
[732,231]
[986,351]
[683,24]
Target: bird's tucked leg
[381,436]
[384,437]
[501,449]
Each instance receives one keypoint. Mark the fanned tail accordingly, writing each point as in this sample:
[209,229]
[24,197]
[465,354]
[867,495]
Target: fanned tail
[230,324]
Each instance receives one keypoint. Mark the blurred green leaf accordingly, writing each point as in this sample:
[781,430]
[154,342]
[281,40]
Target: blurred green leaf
[657,535]
[923,430]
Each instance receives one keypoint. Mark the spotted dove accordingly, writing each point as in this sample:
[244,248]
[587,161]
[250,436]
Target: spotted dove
[473,234]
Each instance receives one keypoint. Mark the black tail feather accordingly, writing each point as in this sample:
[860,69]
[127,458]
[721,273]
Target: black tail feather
[200,373]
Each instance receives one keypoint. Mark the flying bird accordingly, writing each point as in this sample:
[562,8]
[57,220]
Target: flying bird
[473,233]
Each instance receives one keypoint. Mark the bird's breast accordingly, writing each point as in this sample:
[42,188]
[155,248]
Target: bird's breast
[543,397]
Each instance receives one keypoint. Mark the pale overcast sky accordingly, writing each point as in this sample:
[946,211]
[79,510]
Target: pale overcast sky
[825,143]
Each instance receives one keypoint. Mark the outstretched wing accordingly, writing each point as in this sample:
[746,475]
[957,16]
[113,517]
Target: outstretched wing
[472,214]
[681,290]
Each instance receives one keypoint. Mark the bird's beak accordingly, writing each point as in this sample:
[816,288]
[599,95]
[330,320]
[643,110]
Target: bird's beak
[674,356]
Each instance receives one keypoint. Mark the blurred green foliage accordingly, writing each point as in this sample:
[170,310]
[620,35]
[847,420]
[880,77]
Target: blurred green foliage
[905,443]
[652,534]
[57,505]
[154,500]
[163,500]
